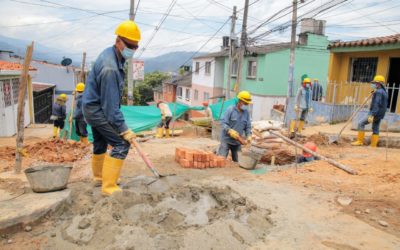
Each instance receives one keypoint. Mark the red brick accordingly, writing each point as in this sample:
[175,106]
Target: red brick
[190,164]
[195,164]
[189,155]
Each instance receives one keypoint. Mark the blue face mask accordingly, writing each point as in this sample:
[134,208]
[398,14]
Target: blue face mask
[127,53]
[244,107]
[373,85]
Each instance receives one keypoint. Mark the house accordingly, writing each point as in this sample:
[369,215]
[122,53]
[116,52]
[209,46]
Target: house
[10,74]
[208,77]
[265,68]
[354,64]
[176,88]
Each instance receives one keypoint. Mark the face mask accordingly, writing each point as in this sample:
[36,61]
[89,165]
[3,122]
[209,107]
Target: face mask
[307,85]
[244,107]
[127,53]
[373,85]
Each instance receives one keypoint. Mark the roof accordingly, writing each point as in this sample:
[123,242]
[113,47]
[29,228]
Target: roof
[185,80]
[213,54]
[368,42]
[38,87]
[12,66]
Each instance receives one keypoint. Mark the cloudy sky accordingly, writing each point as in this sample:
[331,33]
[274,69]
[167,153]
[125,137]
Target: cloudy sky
[73,26]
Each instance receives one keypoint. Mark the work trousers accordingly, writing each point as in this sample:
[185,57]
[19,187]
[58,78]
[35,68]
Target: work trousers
[104,135]
[375,125]
[80,127]
[59,123]
[303,115]
[224,150]
[165,123]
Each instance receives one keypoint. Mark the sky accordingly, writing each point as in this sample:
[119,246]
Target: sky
[74,26]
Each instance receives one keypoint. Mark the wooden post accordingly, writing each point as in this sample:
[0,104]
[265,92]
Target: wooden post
[21,108]
[83,76]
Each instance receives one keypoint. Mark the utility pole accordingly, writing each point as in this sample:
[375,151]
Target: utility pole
[291,62]
[83,75]
[231,53]
[130,61]
[243,43]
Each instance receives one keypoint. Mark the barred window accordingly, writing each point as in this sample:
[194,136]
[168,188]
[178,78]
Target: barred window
[252,69]
[197,67]
[15,89]
[363,69]
[6,89]
[208,68]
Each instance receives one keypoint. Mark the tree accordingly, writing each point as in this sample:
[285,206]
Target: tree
[144,90]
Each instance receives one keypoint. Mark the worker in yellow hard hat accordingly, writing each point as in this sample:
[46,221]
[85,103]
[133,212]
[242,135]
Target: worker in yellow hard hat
[235,124]
[376,112]
[101,107]
[317,90]
[302,106]
[58,114]
[80,123]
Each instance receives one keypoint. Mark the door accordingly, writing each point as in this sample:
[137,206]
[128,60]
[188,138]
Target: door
[393,83]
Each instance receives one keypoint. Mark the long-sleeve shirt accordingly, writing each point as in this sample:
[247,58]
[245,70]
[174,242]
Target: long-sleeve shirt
[103,91]
[78,114]
[236,120]
[379,103]
[303,98]
[317,92]
[165,110]
[59,110]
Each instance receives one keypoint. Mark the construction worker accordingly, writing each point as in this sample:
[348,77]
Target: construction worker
[80,123]
[235,123]
[208,111]
[302,106]
[58,114]
[166,117]
[317,91]
[376,113]
[101,107]
[307,157]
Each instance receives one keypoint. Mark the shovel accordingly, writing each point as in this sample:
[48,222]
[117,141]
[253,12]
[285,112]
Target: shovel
[335,138]
[149,164]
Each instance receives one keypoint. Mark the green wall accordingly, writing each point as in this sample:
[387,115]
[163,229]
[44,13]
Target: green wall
[273,68]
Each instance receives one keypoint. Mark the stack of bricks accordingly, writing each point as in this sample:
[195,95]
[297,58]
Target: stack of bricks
[192,158]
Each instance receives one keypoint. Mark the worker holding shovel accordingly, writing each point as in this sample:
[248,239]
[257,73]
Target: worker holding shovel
[166,117]
[376,113]
[80,123]
[58,114]
[101,107]
[235,123]
[302,106]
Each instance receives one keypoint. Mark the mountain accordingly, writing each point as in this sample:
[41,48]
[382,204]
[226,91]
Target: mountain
[168,62]
[40,52]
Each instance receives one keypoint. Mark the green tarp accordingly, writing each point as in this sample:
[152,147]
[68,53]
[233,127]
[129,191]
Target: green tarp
[142,118]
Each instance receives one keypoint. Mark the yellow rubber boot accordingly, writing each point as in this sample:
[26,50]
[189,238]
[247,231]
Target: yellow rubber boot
[55,132]
[111,171]
[292,126]
[301,126]
[374,140]
[159,133]
[167,134]
[97,168]
[360,139]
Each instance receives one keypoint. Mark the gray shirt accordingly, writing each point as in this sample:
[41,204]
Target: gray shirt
[236,120]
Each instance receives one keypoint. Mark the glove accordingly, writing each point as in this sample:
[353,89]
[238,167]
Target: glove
[370,119]
[232,133]
[310,110]
[249,139]
[128,135]
[296,108]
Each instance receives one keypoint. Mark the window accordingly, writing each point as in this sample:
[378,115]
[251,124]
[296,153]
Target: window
[197,67]
[187,94]
[196,95]
[208,68]
[251,69]
[363,69]
[206,96]
[179,92]
[234,68]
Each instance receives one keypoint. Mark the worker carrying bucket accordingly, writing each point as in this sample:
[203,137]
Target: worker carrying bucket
[302,107]
[80,123]
[235,123]
[166,117]
[101,107]
[376,112]
[58,114]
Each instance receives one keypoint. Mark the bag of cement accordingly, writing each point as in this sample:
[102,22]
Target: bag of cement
[273,140]
[267,135]
[267,124]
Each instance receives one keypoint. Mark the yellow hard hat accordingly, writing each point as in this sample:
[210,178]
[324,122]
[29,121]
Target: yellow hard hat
[63,97]
[307,80]
[244,96]
[379,79]
[80,87]
[129,30]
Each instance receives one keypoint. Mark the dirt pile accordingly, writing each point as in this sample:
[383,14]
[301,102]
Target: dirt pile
[163,216]
[282,156]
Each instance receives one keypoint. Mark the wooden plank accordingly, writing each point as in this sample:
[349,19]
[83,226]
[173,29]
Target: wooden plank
[21,108]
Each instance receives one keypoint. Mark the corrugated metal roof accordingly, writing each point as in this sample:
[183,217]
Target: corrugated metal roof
[185,80]
[368,42]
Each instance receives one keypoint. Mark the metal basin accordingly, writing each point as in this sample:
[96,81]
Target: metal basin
[48,178]
[247,160]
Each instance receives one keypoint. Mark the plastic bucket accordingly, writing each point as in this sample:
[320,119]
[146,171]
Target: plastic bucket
[48,178]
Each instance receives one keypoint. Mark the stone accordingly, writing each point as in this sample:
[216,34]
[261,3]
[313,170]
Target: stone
[9,241]
[358,212]
[344,200]
[383,223]
[28,228]
[367,211]
[84,223]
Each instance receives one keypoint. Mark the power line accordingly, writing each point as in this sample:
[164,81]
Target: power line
[195,17]
[137,7]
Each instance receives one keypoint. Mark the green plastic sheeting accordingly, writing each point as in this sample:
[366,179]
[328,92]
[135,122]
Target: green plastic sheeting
[216,108]
[138,118]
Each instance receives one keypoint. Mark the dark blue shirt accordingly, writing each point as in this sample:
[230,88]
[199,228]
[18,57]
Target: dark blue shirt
[78,114]
[379,103]
[101,100]
[59,110]
[236,120]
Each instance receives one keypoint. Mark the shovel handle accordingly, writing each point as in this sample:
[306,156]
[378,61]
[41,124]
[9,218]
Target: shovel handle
[146,160]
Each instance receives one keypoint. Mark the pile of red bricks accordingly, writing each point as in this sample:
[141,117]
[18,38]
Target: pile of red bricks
[193,158]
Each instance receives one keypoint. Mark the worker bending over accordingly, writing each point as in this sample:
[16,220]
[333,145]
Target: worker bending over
[80,123]
[166,117]
[101,107]
[208,111]
[302,106]
[235,123]
[58,114]
[376,113]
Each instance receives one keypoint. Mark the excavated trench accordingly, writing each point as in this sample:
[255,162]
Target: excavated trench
[171,213]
